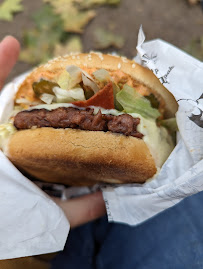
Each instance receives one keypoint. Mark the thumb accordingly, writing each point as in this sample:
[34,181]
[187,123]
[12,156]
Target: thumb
[9,51]
[83,209]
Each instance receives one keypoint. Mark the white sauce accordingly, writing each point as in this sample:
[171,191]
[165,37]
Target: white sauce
[157,139]
[6,130]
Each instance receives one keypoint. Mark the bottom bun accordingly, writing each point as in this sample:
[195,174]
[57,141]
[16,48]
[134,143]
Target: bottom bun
[80,158]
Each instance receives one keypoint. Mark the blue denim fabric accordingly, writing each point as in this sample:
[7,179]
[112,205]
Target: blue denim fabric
[171,240]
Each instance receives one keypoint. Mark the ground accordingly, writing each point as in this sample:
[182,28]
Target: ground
[174,21]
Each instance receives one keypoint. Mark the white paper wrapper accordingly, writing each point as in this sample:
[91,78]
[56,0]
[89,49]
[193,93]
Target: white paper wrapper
[30,222]
[182,173]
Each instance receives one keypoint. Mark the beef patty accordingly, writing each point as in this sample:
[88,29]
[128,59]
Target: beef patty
[83,119]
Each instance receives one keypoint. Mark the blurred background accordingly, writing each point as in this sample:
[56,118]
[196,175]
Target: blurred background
[48,28]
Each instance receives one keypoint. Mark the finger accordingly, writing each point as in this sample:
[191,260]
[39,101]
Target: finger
[83,209]
[9,51]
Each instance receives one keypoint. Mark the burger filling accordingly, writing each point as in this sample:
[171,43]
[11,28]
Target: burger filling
[100,89]
[97,100]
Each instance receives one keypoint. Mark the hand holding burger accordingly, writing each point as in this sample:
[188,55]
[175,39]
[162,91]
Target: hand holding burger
[78,210]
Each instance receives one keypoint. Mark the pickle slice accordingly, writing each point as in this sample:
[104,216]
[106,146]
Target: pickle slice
[153,100]
[43,86]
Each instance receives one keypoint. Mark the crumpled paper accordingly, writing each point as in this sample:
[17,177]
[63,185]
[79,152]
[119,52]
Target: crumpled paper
[30,222]
[182,173]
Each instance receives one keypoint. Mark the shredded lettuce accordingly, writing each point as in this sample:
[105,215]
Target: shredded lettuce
[47,98]
[90,83]
[117,105]
[102,75]
[64,80]
[68,96]
[75,75]
[134,102]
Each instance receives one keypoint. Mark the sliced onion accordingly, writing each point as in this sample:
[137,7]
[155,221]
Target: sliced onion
[47,98]
[87,75]
[25,102]
[75,75]
[66,96]
[90,83]
[102,75]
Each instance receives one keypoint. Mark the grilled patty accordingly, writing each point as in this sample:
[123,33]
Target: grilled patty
[83,119]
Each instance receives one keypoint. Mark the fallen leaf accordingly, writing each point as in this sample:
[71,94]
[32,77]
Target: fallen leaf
[8,8]
[90,3]
[195,48]
[105,39]
[54,23]
[73,18]
[77,13]
[40,42]
[74,44]
[75,21]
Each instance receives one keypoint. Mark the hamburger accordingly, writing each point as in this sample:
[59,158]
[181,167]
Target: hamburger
[84,119]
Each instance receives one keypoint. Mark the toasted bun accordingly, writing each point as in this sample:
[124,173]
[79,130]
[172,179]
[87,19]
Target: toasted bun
[77,157]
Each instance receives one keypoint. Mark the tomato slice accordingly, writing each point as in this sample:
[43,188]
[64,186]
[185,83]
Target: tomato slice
[103,98]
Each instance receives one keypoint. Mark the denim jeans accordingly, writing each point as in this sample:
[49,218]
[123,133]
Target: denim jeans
[170,240]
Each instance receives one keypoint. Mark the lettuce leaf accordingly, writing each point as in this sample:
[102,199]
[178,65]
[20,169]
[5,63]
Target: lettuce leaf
[134,102]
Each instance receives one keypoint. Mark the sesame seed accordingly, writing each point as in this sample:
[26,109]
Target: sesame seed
[124,59]
[73,53]
[73,57]
[99,54]
[133,65]
[114,55]
[78,57]
[119,66]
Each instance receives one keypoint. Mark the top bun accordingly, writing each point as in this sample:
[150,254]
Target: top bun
[93,61]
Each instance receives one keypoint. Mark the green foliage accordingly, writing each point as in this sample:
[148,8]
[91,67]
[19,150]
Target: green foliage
[40,41]
[195,48]
[74,20]
[55,22]
[8,8]
[105,39]
[77,13]
[74,44]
